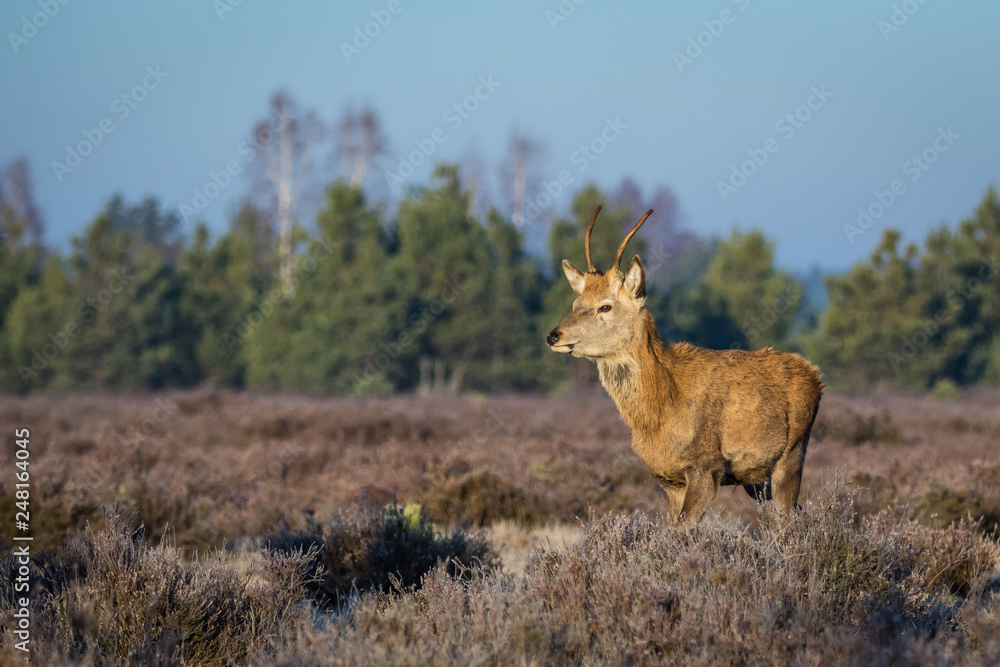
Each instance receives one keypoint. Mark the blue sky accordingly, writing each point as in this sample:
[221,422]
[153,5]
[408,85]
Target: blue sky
[886,96]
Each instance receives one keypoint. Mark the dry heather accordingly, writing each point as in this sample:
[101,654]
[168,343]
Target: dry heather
[213,466]
[634,589]
[306,564]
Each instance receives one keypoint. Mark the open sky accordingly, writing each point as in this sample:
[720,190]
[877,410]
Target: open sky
[694,90]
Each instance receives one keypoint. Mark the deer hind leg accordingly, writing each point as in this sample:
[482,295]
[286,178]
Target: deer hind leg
[787,475]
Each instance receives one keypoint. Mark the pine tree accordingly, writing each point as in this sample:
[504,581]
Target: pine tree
[336,328]
[742,301]
[20,269]
[914,318]
[872,311]
[443,266]
[134,330]
[516,289]
[226,283]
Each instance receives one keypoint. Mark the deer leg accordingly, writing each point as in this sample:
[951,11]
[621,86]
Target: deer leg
[675,500]
[787,476]
[702,487]
[675,495]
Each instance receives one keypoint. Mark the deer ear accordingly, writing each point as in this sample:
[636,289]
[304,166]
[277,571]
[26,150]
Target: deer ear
[574,276]
[635,279]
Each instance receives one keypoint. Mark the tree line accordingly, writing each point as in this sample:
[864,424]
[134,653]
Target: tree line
[436,298]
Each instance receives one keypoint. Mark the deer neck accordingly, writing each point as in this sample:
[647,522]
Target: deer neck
[639,379]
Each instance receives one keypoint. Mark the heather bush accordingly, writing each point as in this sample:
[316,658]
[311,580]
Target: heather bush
[898,567]
[977,503]
[481,498]
[639,589]
[858,429]
[367,547]
[820,587]
[107,598]
[952,560]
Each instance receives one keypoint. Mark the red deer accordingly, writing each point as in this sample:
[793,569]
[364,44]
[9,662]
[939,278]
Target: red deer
[700,418]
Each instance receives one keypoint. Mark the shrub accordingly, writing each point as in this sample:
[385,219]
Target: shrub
[951,560]
[639,589]
[872,493]
[945,390]
[873,428]
[107,598]
[857,429]
[367,548]
[482,498]
[986,491]
[941,506]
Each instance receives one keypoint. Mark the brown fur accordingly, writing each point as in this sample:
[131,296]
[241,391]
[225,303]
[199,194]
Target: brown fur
[700,418]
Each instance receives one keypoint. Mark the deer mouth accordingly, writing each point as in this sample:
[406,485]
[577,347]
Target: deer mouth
[562,348]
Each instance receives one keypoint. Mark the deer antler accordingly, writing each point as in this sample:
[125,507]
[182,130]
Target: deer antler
[621,248]
[586,241]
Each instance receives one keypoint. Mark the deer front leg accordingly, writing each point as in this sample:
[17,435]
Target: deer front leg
[674,484]
[702,487]
[675,500]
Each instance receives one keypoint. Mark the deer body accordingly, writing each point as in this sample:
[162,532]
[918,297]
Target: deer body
[700,418]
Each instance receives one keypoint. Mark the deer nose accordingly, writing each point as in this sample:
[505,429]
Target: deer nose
[553,337]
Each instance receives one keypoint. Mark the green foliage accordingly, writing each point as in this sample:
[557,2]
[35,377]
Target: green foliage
[226,282]
[434,299]
[945,390]
[741,301]
[317,340]
[914,317]
[374,305]
[20,270]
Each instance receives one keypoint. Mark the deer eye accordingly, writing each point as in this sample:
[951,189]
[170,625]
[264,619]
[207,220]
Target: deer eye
[604,309]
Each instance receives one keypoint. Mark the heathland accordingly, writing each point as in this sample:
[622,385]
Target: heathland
[206,526]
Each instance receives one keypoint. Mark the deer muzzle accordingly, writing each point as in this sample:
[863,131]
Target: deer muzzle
[554,340]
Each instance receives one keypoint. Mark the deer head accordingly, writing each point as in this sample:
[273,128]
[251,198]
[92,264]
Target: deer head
[607,313]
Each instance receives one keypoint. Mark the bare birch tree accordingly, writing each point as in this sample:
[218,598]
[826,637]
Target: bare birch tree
[19,195]
[360,142]
[472,179]
[287,143]
[518,172]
